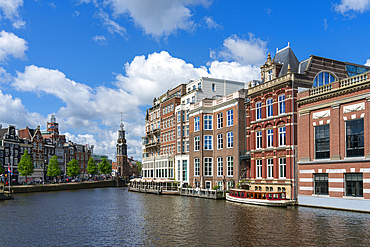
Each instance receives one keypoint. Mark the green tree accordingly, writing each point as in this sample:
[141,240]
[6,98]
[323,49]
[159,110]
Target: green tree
[105,167]
[91,167]
[25,166]
[73,169]
[2,170]
[53,167]
[139,167]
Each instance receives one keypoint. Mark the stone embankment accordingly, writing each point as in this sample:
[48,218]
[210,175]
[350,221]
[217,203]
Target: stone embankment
[67,186]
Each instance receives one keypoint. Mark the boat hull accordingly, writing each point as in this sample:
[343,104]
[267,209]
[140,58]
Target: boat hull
[261,202]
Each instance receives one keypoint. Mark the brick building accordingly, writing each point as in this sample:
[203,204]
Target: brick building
[333,140]
[217,136]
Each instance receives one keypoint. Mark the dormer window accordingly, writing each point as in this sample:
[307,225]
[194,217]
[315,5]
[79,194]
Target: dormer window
[269,76]
[323,78]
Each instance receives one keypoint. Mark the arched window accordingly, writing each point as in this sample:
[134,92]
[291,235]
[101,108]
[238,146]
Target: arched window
[323,78]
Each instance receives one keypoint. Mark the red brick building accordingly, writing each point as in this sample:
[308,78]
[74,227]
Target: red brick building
[333,140]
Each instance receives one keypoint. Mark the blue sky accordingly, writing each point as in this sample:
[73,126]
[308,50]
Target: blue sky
[89,60]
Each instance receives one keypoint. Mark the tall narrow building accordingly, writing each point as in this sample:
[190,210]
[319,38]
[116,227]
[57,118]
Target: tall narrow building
[122,165]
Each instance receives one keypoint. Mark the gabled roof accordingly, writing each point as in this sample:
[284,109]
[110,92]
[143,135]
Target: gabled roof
[286,56]
[3,132]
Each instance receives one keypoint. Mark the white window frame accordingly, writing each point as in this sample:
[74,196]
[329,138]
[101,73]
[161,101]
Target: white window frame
[230,117]
[258,110]
[259,139]
[208,163]
[282,168]
[269,105]
[258,169]
[230,139]
[281,102]
[270,168]
[270,138]
[220,166]
[282,136]
[196,167]
[196,143]
[230,166]
[208,122]
[208,138]
[196,124]
[220,120]
[220,141]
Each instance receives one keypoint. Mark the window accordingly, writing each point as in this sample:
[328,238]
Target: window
[270,137]
[220,120]
[178,170]
[258,110]
[207,166]
[281,104]
[270,168]
[187,130]
[219,184]
[258,168]
[188,100]
[179,117]
[282,167]
[187,146]
[213,87]
[196,167]
[230,139]
[185,170]
[323,78]
[178,131]
[220,141]
[269,75]
[208,122]
[230,166]
[354,184]
[355,137]
[178,147]
[322,142]
[282,136]
[208,142]
[193,99]
[196,143]
[270,111]
[258,139]
[196,124]
[230,117]
[183,147]
[199,85]
[187,115]
[220,166]
[321,183]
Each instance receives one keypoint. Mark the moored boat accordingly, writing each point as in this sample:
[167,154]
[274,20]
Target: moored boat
[154,185]
[268,198]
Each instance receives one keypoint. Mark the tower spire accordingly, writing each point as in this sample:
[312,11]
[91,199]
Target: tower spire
[121,124]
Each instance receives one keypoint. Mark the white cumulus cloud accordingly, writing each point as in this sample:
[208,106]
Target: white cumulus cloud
[161,17]
[11,45]
[367,62]
[352,5]
[244,51]
[10,9]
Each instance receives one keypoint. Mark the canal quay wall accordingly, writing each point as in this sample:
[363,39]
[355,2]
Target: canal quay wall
[67,186]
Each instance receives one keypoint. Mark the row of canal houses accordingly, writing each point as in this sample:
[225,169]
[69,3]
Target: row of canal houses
[41,145]
[303,128]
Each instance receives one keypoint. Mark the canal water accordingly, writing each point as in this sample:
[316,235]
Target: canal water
[116,217]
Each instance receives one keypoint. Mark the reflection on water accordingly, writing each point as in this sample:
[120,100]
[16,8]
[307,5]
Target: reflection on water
[116,217]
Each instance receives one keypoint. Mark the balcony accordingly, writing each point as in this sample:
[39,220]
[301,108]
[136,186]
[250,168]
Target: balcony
[152,144]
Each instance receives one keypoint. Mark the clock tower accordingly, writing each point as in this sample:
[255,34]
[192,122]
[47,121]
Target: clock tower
[122,166]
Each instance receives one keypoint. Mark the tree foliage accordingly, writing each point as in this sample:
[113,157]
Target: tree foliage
[139,167]
[92,167]
[2,170]
[105,167]
[53,167]
[73,169]
[25,166]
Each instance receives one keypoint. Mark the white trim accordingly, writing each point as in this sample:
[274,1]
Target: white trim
[305,188]
[336,180]
[365,170]
[335,170]
[366,181]
[305,179]
[366,191]
[306,171]
[336,189]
